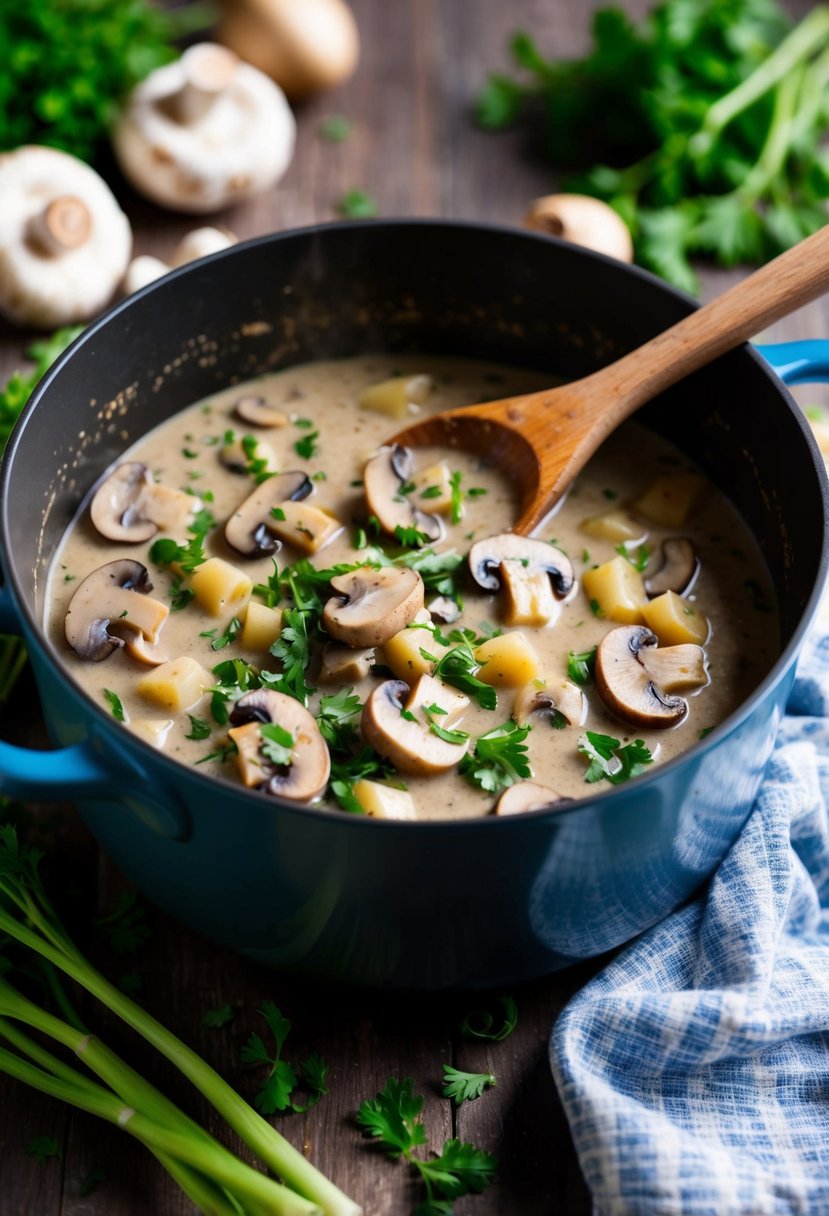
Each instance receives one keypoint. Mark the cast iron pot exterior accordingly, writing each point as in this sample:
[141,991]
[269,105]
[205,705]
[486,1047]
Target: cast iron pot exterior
[431,905]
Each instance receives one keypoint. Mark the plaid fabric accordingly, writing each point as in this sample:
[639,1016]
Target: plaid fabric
[694,1069]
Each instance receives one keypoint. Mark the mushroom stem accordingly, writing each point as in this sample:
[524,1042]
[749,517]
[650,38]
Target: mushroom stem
[208,70]
[65,223]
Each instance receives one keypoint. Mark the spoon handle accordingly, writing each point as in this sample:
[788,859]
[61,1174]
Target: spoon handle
[791,280]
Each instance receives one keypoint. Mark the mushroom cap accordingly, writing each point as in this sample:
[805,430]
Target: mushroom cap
[564,698]
[584,221]
[241,144]
[409,744]
[486,557]
[247,529]
[258,412]
[383,477]
[115,596]
[50,285]
[372,605]
[625,685]
[679,569]
[129,506]
[527,796]
[307,775]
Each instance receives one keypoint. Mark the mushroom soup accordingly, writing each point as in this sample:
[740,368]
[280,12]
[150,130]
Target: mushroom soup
[265,588]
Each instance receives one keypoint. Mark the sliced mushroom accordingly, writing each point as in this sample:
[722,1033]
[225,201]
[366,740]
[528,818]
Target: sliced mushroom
[151,653]
[636,680]
[384,477]
[307,774]
[564,698]
[129,506]
[444,609]
[408,741]
[248,454]
[304,526]
[538,578]
[527,796]
[342,665]
[115,597]
[371,605]
[259,412]
[679,569]
[248,529]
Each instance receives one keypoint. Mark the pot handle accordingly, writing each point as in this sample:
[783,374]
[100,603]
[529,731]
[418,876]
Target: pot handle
[804,362]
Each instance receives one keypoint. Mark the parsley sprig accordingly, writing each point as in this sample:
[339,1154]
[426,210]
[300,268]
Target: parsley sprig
[498,759]
[609,761]
[465,1086]
[278,1090]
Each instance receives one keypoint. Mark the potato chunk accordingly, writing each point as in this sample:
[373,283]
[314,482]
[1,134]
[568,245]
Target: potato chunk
[617,526]
[509,660]
[668,500]
[529,598]
[675,620]
[383,801]
[261,627]
[303,526]
[616,591]
[152,730]
[402,654]
[176,685]
[433,489]
[220,587]
[395,395]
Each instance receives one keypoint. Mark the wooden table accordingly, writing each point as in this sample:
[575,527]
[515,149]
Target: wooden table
[415,149]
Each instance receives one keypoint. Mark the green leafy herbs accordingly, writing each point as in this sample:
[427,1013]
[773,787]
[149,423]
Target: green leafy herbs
[228,635]
[125,928]
[609,761]
[277,744]
[277,1092]
[69,65]
[307,446]
[358,205]
[498,759]
[411,537]
[336,718]
[215,1019]
[115,706]
[335,128]
[639,560]
[393,1120]
[465,1086]
[256,466]
[580,666]
[716,144]
[200,728]
[458,667]
[482,1024]
[44,1148]
[293,651]
[166,551]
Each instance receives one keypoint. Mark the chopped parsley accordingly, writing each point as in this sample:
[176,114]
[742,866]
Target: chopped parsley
[358,205]
[458,667]
[277,744]
[465,1086]
[498,759]
[609,761]
[580,666]
[224,639]
[306,447]
[115,706]
[639,560]
[335,128]
[200,728]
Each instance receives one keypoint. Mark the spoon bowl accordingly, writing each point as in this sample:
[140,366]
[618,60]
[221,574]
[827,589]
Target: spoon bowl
[541,441]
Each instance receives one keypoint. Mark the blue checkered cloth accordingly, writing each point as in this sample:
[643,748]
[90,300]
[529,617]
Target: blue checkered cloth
[694,1069]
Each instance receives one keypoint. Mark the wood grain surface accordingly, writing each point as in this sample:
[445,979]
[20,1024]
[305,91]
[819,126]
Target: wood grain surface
[415,149]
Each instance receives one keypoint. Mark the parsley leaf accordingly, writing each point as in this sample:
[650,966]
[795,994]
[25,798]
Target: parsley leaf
[335,128]
[609,761]
[224,639]
[458,667]
[44,1148]
[115,705]
[277,744]
[200,728]
[465,1086]
[411,538]
[215,1019]
[480,1023]
[639,560]
[358,205]
[334,718]
[580,666]
[306,447]
[461,1169]
[275,1092]
[498,759]
[292,648]
[393,1117]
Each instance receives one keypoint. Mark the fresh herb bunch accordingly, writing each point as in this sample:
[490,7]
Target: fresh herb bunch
[67,65]
[701,125]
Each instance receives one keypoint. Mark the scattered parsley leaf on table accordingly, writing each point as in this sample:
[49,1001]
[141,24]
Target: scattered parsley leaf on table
[125,928]
[465,1086]
[44,1148]
[358,205]
[275,1092]
[215,1019]
[481,1024]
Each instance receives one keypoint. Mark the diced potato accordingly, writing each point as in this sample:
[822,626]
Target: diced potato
[617,526]
[177,685]
[304,526]
[261,627]
[508,661]
[616,591]
[668,500]
[394,396]
[675,620]
[436,478]
[402,651]
[152,730]
[220,587]
[528,598]
[383,801]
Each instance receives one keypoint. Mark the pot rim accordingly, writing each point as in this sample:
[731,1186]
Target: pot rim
[509,822]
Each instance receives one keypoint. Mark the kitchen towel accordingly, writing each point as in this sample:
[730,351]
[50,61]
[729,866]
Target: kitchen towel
[694,1069]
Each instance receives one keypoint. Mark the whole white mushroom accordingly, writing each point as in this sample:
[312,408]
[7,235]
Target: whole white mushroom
[64,241]
[204,132]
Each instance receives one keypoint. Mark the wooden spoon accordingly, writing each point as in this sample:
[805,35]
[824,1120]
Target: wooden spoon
[542,440]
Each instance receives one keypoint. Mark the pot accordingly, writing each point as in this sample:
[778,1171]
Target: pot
[482,902]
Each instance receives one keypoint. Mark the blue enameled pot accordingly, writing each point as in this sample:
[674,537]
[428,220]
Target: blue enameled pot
[487,901]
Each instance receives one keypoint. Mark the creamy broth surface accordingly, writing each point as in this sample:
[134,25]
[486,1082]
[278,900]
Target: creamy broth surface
[732,590]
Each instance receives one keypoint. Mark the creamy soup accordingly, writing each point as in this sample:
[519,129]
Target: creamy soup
[450,669]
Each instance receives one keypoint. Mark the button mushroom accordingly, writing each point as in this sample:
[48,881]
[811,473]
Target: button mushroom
[564,699]
[636,680]
[196,244]
[111,601]
[258,412]
[527,796]
[204,132]
[679,569]
[582,220]
[306,774]
[64,241]
[538,578]
[384,477]
[249,530]
[370,606]
[129,506]
[395,725]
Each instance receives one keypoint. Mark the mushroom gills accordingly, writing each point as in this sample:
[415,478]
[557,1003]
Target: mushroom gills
[248,530]
[112,601]
[562,700]
[384,477]
[538,578]
[634,678]
[395,725]
[372,605]
[678,571]
[306,776]
[129,506]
